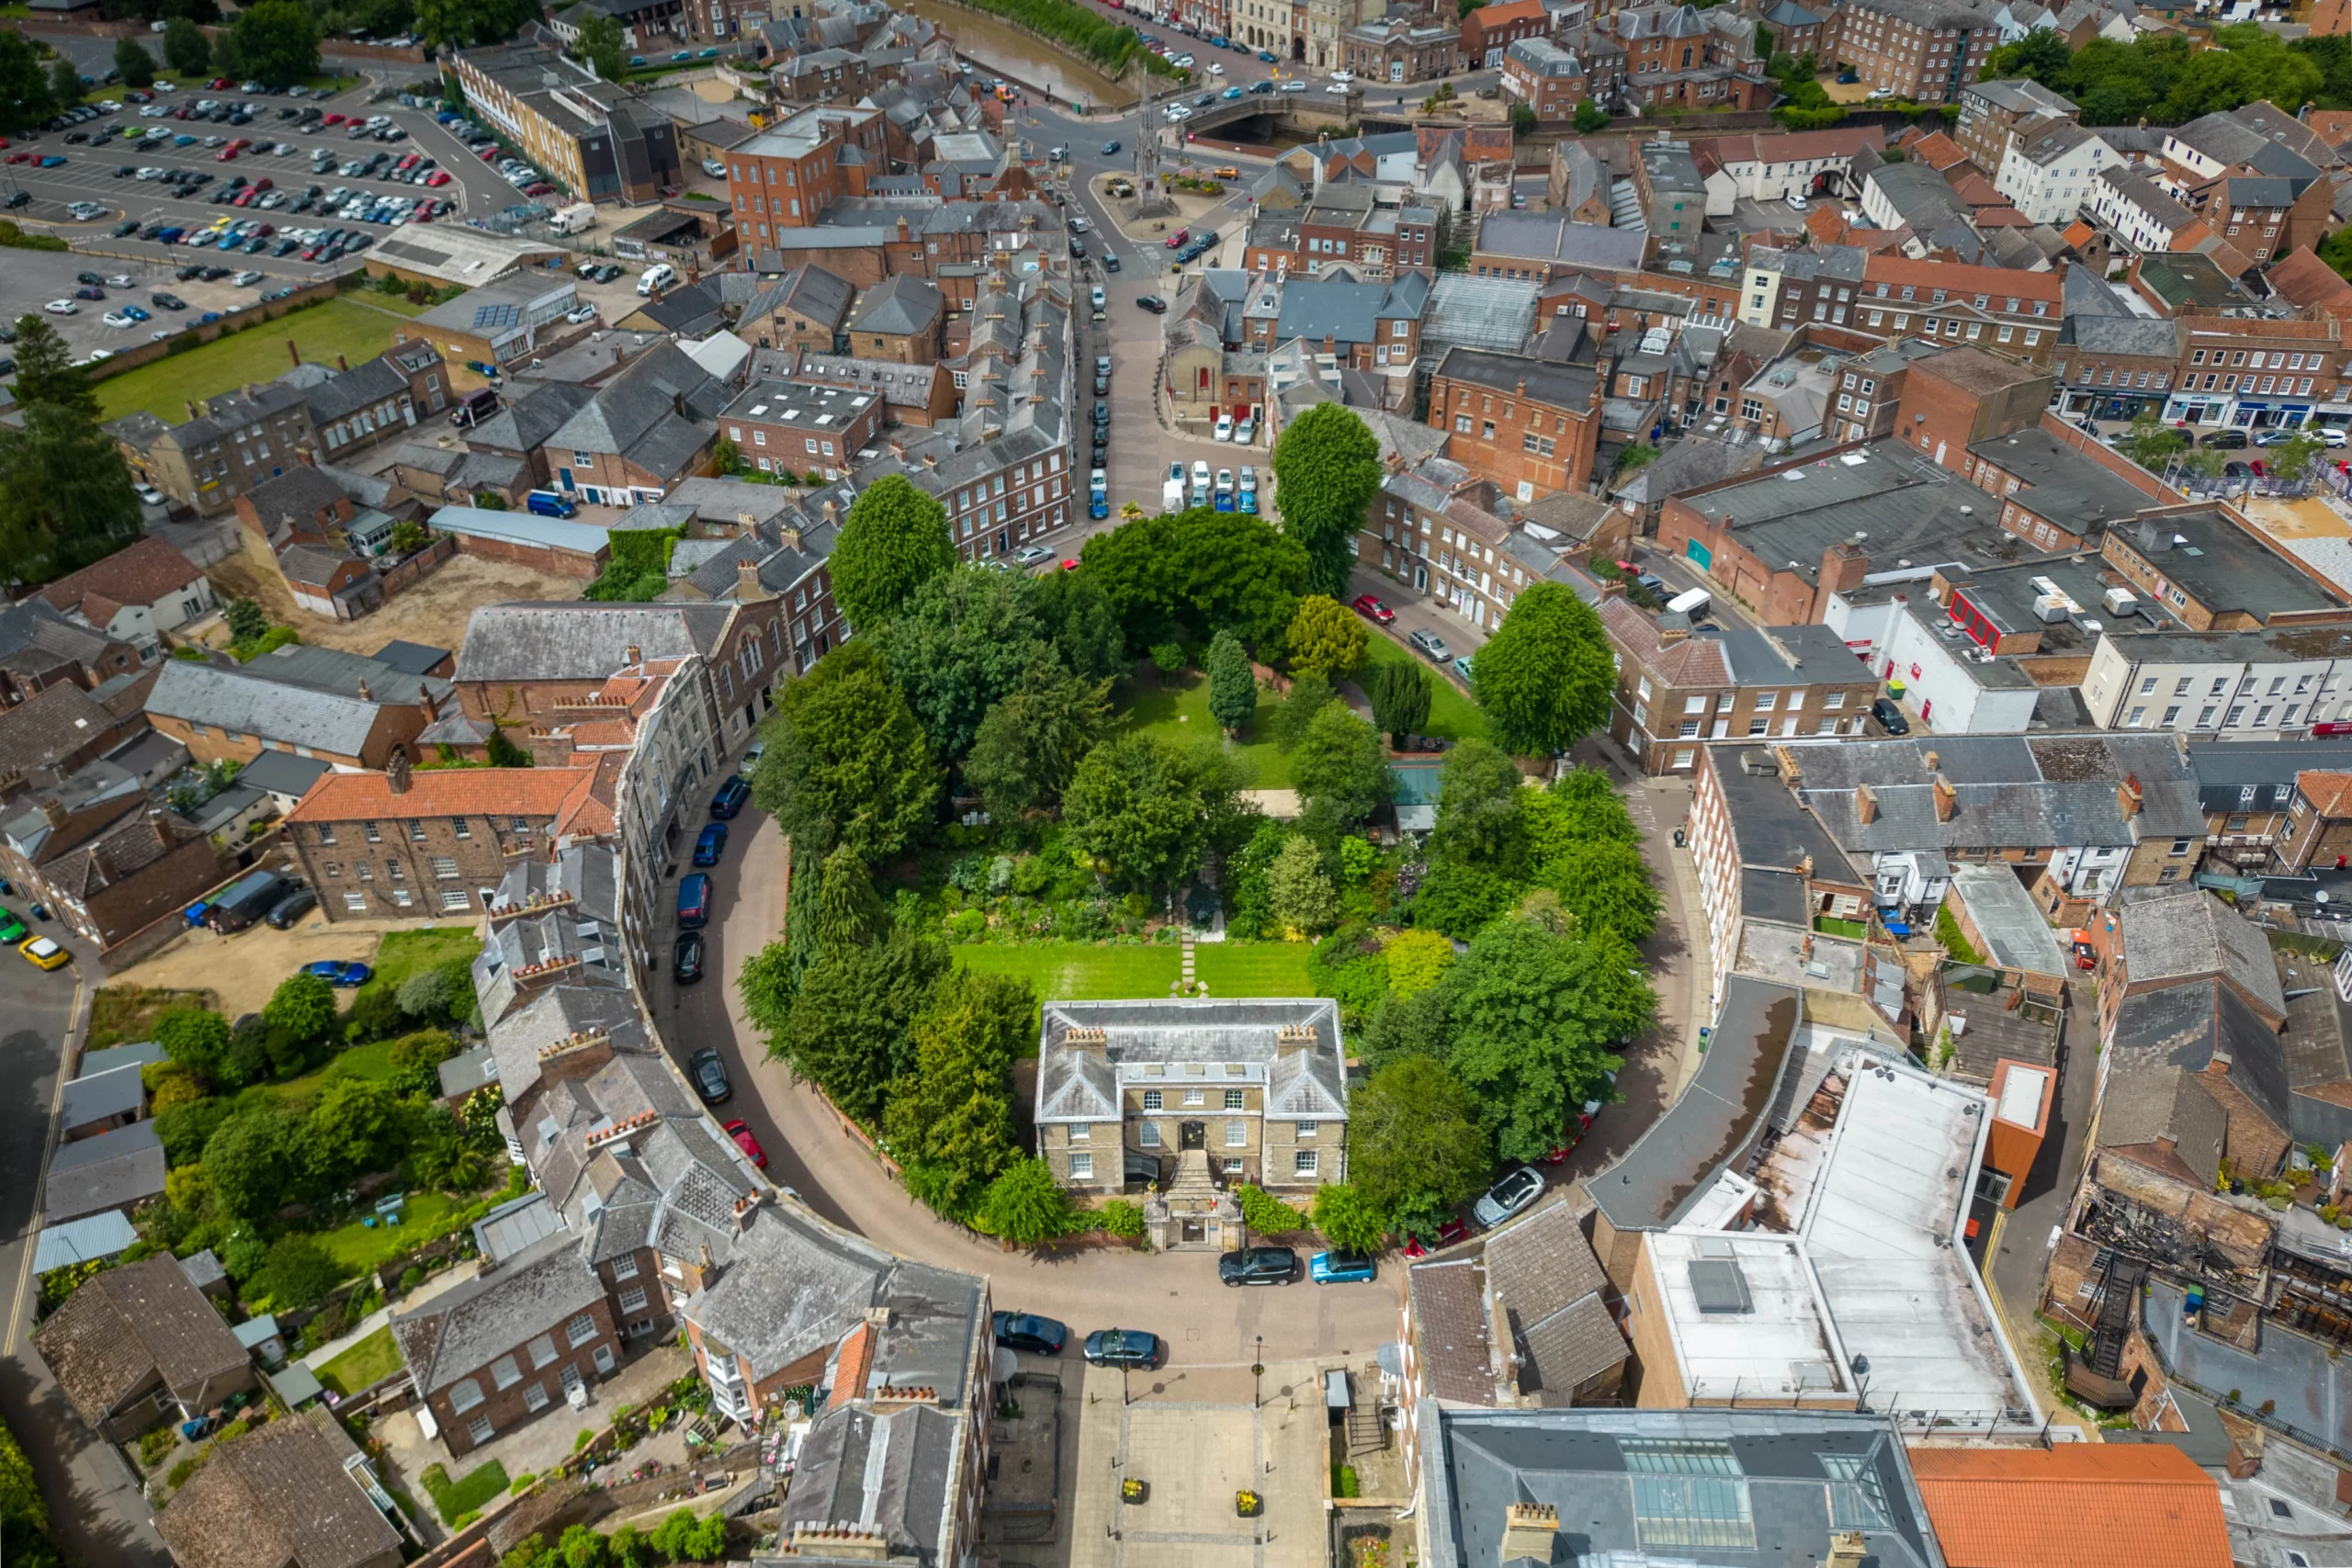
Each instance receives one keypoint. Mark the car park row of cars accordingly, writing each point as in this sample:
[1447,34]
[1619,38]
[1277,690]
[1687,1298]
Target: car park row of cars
[1223,493]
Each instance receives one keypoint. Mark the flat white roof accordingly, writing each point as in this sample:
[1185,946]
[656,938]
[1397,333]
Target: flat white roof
[2020,1100]
[1747,1316]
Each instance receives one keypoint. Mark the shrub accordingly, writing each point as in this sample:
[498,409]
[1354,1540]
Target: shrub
[155,1445]
[375,1013]
[425,995]
[411,1278]
[1125,1220]
[185,1468]
[1168,657]
[520,1484]
[1267,1214]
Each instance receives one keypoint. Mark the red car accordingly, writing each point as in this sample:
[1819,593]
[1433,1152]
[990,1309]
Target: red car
[1575,1135]
[438,177]
[331,119]
[1179,237]
[226,155]
[20,157]
[1373,609]
[219,81]
[1453,1230]
[742,1132]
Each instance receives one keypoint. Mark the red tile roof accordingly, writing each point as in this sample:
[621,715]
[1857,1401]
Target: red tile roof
[2305,280]
[139,573]
[1939,151]
[2074,1506]
[2326,791]
[1958,280]
[446,792]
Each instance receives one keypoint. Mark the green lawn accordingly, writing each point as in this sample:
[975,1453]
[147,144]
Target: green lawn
[357,1247]
[404,954]
[470,1491]
[362,1366]
[1252,968]
[1179,711]
[349,326]
[1451,713]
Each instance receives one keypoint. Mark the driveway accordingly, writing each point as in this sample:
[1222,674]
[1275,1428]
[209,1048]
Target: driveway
[97,1513]
[809,1152]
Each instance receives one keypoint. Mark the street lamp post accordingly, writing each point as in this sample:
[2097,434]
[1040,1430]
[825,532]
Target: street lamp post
[1258,1375]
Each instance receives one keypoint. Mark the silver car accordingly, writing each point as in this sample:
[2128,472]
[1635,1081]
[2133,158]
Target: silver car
[1508,1196]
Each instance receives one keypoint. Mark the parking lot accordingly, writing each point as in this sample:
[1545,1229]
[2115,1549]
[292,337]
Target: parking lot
[32,279]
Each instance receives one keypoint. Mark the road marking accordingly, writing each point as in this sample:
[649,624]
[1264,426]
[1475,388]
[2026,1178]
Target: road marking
[73,1023]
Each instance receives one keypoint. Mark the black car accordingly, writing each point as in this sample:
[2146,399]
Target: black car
[730,799]
[1259,1266]
[685,963]
[1038,1335]
[291,908]
[1890,717]
[17,198]
[1154,303]
[2224,440]
[710,1077]
[1122,1347]
[167,301]
[1110,260]
[1101,413]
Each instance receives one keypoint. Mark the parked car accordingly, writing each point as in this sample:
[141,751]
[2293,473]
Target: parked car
[1889,717]
[1023,1331]
[730,799]
[43,954]
[1341,1268]
[694,901]
[1153,303]
[2224,440]
[338,971]
[288,909]
[1428,645]
[709,1075]
[12,930]
[710,844]
[685,958]
[1258,1266]
[742,1132]
[1119,1346]
[1373,609]
[1508,1196]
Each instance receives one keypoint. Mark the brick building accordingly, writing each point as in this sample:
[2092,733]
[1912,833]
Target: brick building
[1528,426]
[1923,50]
[898,318]
[343,709]
[1991,113]
[39,648]
[2015,315]
[589,135]
[786,177]
[795,428]
[1489,30]
[227,445]
[1548,79]
[1436,527]
[428,844]
[1955,399]
[1675,689]
[109,867]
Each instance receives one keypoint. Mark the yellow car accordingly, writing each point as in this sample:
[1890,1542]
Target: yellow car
[44,954]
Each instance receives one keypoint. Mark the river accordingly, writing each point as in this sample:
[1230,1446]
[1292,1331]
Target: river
[1026,60]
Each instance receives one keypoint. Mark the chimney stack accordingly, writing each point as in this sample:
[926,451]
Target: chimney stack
[1865,804]
[1529,1530]
[364,695]
[163,828]
[1947,799]
[632,655]
[2129,796]
[341,362]
[396,772]
[747,583]
[427,704]
[1847,1548]
[53,811]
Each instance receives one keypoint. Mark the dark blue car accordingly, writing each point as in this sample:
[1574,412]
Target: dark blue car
[707,847]
[340,973]
[693,902]
[730,799]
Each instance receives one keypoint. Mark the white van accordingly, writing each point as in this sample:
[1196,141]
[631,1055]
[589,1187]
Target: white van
[658,276]
[1689,603]
[1172,489]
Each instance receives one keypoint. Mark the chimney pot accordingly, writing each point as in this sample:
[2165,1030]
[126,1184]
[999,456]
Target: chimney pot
[341,362]
[631,655]
[54,812]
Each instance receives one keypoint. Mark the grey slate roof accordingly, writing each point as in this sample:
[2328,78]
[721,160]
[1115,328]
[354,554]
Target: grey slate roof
[1544,1276]
[1349,313]
[1559,385]
[1536,236]
[901,303]
[2187,931]
[883,1472]
[459,1332]
[112,1170]
[96,1096]
[302,700]
[582,641]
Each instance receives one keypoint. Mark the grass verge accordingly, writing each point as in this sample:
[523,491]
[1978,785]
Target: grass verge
[1451,713]
[364,1365]
[352,327]
[1253,968]
[1176,709]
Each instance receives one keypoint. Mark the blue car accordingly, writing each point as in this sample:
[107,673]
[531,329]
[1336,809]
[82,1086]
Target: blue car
[1267,55]
[336,972]
[730,799]
[183,139]
[712,841]
[1233,92]
[1225,500]
[1250,502]
[694,901]
[1341,1268]
[206,318]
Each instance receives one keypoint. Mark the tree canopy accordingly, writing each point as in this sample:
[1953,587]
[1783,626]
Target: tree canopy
[958,644]
[1544,677]
[1325,636]
[846,761]
[277,41]
[1028,745]
[1233,684]
[894,540]
[1326,469]
[1149,810]
[1416,1139]
[2155,77]
[950,1120]
[850,1031]
[1195,571]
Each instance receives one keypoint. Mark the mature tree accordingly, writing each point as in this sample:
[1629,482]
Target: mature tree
[1075,614]
[2151,443]
[1298,892]
[1416,960]
[46,373]
[466,22]
[1478,820]
[603,46]
[1340,768]
[133,63]
[1026,1205]
[1605,884]
[358,1124]
[956,644]
[1147,809]
[1415,1137]
[302,1005]
[1347,1218]
[848,911]
[1233,684]
[1326,469]
[298,1275]
[185,49]
[1195,571]
[1590,117]
[66,496]
[2041,55]
[846,761]
[848,1032]
[1030,744]
[1544,677]
[1308,695]
[25,100]
[65,83]
[197,1039]
[247,620]
[1460,900]
[258,1159]
[1536,1016]
[894,541]
[950,1122]
[768,982]
[1417,1024]
[1400,697]
[277,41]
[1325,636]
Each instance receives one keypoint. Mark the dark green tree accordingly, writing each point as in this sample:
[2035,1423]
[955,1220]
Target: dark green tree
[298,1275]
[1233,685]
[1416,1139]
[1605,885]
[1149,810]
[849,1033]
[602,45]
[1459,900]
[1075,616]
[848,912]
[1544,677]
[65,83]
[303,1006]
[247,620]
[277,41]
[959,642]
[1308,695]
[846,761]
[357,1125]
[185,49]
[1400,698]
[502,750]
[2041,55]
[1030,744]
[1535,1018]
[1026,1205]
[25,100]
[1191,573]
[1326,469]
[133,64]
[258,1159]
[1341,770]
[950,1122]
[1298,891]
[196,1040]
[894,541]
[46,373]
[1590,117]
[1478,817]
[1347,1218]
